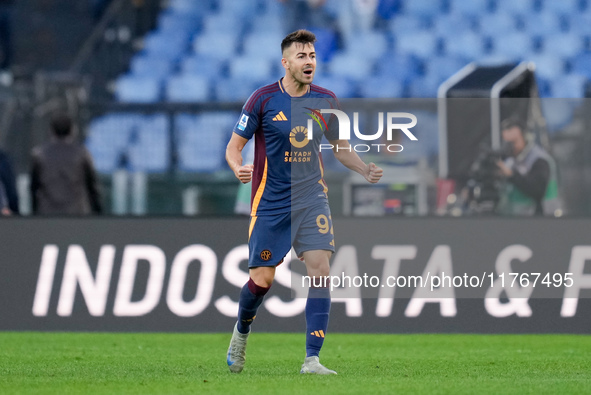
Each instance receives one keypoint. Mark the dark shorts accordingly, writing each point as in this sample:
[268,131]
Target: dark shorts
[272,236]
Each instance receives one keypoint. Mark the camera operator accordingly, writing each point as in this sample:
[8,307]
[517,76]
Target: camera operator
[530,174]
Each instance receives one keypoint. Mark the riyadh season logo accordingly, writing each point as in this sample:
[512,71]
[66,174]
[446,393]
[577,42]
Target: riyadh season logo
[345,129]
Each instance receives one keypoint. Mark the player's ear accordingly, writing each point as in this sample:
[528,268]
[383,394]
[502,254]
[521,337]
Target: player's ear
[284,63]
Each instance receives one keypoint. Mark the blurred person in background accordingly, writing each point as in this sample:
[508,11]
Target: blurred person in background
[6,10]
[8,194]
[306,14]
[531,186]
[63,178]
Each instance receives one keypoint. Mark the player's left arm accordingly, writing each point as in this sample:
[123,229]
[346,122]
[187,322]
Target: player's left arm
[349,158]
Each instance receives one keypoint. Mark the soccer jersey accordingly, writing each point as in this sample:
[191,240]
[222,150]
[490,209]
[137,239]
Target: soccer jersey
[288,173]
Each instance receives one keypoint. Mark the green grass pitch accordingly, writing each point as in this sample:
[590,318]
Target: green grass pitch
[87,363]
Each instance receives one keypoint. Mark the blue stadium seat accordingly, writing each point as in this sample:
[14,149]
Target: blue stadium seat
[201,140]
[223,23]
[170,45]
[187,88]
[444,67]
[403,24]
[563,45]
[174,21]
[381,87]
[468,45]
[263,45]
[545,24]
[453,25]
[150,66]
[202,65]
[548,66]
[472,7]
[371,44]
[150,149]
[131,89]
[219,46]
[235,90]
[401,66]
[568,86]
[190,7]
[268,23]
[513,45]
[243,8]
[562,6]
[107,139]
[251,67]
[424,86]
[524,7]
[493,24]
[581,64]
[579,23]
[427,8]
[422,44]
[558,113]
[350,65]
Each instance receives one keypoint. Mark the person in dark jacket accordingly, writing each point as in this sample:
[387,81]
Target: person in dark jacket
[8,194]
[63,178]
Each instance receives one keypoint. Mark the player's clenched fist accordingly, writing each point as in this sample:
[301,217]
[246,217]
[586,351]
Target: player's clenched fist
[373,173]
[244,173]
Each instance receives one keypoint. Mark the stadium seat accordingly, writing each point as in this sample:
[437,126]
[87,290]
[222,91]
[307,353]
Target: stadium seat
[131,89]
[424,86]
[150,149]
[222,23]
[422,44]
[201,140]
[468,45]
[150,66]
[220,46]
[251,67]
[245,9]
[561,7]
[170,45]
[371,44]
[444,67]
[423,8]
[493,24]
[190,7]
[581,64]
[568,86]
[469,8]
[523,7]
[263,45]
[234,90]
[513,45]
[187,88]
[453,25]
[544,24]
[174,21]
[562,45]
[548,66]
[381,87]
[269,24]
[202,65]
[402,25]
[558,113]
[350,65]
[401,66]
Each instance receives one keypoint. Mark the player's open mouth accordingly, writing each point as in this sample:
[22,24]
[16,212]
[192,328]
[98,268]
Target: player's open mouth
[308,72]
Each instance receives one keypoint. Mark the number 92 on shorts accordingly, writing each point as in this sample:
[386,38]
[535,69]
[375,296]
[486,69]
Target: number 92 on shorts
[271,236]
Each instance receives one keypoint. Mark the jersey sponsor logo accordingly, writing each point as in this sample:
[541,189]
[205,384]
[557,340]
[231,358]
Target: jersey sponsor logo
[243,122]
[266,255]
[298,137]
[280,117]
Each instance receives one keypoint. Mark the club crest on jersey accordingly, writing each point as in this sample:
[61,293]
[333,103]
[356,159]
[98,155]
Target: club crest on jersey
[243,122]
[265,255]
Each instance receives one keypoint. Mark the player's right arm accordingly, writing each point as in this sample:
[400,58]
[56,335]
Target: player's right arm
[234,158]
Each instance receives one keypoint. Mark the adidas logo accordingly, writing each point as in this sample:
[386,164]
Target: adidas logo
[319,333]
[280,117]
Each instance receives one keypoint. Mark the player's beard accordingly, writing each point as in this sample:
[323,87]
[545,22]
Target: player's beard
[300,77]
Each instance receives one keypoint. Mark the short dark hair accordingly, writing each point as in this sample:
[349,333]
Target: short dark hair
[61,125]
[299,36]
[513,122]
